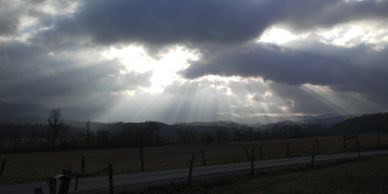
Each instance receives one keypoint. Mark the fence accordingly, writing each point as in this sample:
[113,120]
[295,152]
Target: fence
[172,157]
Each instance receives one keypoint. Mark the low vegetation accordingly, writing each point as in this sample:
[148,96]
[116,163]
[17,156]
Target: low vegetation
[33,153]
[27,137]
[25,167]
[355,177]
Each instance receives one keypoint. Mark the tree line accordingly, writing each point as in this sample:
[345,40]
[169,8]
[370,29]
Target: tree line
[57,135]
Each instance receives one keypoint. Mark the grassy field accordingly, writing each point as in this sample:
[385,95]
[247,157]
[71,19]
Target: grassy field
[356,177]
[26,167]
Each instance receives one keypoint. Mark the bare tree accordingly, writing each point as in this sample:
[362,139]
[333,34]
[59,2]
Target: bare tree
[55,121]
[88,134]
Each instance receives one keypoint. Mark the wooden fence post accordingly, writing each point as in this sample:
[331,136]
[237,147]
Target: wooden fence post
[38,190]
[76,183]
[110,173]
[2,167]
[288,149]
[378,138]
[313,156]
[64,185]
[83,165]
[261,152]
[356,139]
[318,146]
[203,158]
[191,170]
[344,142]
[141,158]
[52,184]
[252,163]
[246,152]
[358,149]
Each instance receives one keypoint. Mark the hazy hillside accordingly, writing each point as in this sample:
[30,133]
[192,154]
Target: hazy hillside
[364,123]
[328,120]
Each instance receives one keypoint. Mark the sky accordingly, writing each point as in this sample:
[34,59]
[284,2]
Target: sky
[196,60]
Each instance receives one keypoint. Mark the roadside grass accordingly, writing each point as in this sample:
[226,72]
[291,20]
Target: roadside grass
[355,177]
[27,167]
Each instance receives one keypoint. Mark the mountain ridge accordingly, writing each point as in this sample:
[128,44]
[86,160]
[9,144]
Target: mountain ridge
[24,112]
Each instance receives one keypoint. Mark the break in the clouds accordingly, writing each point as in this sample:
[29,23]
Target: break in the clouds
[354,69]
[205,22]
[180,61]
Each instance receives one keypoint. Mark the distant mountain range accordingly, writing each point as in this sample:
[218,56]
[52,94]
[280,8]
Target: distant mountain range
[328,120]
[14,112]
[28,121]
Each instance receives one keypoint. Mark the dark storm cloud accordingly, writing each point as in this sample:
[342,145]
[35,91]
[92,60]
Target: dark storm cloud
[31,73]
[9,17]
[12,13]
[51,64]
[303,15]
[289,65]
[201,22]
[340,71]
[172,21]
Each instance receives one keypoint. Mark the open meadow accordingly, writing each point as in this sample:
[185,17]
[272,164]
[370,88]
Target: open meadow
[353,177]
[27,167]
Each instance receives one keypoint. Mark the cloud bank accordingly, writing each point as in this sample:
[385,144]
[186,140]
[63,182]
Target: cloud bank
[51,53]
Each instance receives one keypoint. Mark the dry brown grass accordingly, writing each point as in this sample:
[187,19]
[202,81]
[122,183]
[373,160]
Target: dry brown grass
[25,167]
[352,177]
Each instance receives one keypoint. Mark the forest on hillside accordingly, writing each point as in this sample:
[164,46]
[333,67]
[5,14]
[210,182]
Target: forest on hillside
[23,137]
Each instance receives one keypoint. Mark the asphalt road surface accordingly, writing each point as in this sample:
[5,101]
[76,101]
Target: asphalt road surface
[121,182]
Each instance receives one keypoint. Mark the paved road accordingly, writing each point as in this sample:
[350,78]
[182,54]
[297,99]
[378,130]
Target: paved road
[100,184]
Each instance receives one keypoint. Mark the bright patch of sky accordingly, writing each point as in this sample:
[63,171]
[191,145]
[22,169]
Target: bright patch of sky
[164,67]
[344,35]
[229,97]
[278,35]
